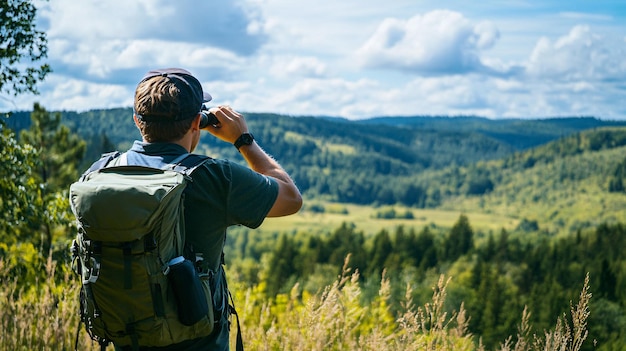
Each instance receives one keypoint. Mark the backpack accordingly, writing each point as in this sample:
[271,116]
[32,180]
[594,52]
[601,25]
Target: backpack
[129,252]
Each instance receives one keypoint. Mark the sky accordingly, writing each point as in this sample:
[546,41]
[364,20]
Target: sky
[350,58]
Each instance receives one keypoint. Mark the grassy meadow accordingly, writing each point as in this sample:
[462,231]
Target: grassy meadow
[366,220]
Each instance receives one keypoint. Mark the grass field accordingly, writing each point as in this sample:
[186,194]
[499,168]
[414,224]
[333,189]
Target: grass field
[364,217]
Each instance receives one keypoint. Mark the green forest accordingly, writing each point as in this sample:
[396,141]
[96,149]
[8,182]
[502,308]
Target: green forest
[553,280]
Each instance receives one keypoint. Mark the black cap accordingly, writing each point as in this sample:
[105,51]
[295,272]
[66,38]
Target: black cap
[190,99]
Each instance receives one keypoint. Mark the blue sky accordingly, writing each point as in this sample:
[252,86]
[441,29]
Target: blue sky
[351,58]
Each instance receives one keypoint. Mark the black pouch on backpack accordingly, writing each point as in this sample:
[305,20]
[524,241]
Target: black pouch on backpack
[188,292]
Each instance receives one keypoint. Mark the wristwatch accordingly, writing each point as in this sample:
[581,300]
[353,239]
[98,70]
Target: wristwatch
[244,139]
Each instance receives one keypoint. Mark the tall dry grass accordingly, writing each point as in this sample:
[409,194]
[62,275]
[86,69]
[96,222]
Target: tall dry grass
[42,316]
[337,320]
[45,317]
[567,335]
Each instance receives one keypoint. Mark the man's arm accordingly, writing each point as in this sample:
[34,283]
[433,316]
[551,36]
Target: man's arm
[289,199]
[231,126]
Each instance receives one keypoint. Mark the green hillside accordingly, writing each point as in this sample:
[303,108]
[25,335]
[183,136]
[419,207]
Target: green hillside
[558,172]
[566,185]
[569,184]
[408,143]
[519,133]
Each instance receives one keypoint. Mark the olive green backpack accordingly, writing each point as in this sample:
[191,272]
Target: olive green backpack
[130,226]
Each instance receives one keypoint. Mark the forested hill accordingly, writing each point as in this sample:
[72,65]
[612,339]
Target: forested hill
[415,161]
[394,144]
[520,133]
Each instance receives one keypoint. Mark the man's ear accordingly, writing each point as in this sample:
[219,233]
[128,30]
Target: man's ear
[136,120]
[195,125]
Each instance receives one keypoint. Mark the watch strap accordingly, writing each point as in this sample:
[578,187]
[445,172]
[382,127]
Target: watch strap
[244,139]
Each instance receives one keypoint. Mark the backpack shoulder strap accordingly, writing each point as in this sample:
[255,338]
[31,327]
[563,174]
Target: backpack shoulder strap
[101,163]
[187,163]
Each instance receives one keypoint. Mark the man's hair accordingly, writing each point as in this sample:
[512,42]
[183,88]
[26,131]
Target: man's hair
[159,97]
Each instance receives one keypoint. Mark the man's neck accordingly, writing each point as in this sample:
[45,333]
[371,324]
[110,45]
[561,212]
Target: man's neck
[184,142]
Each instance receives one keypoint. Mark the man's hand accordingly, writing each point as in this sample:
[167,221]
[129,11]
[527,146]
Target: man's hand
[231,124]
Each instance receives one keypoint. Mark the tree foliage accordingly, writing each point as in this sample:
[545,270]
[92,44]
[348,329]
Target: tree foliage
[22,47]
[59,152]
[18,187]
[34,176]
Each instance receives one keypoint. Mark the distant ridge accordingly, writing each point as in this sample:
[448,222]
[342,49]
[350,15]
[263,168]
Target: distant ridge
[576,123]
[520,133]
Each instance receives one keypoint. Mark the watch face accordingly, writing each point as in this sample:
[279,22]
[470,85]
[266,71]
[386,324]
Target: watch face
[244,139]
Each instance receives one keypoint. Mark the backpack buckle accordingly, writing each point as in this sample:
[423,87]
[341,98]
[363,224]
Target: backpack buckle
[94,271]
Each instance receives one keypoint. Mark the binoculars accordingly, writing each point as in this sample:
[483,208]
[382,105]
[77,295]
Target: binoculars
[207,118]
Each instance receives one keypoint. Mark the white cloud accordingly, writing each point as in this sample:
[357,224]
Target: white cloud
[308,96]
[114,59]
[298,66]
[117,41]
[79,95]
[450,95]
[222,24]
[440,41]
[579,55]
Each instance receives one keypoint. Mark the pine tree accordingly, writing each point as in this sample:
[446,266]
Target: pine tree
[460,240]
[608,281]
[60,152]
[281,265]
[425,250]
[381,250]
[343,241]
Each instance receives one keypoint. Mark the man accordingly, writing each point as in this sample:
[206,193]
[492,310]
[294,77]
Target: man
[167,111]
